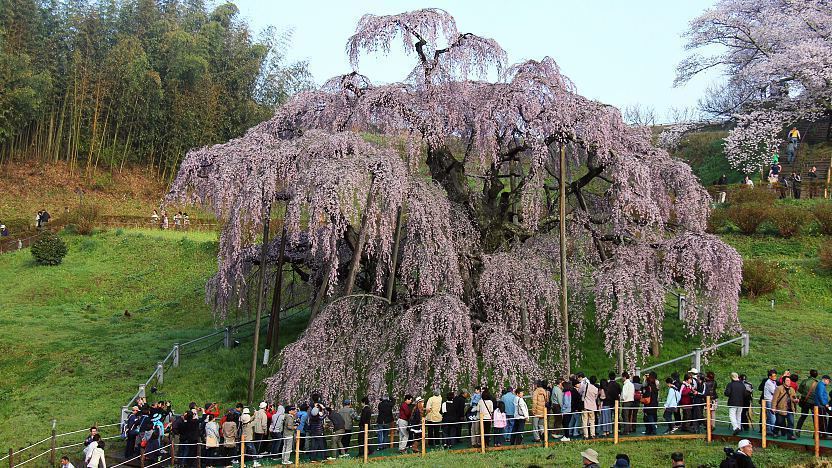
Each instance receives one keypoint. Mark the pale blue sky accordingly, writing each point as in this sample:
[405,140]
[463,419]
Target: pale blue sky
[619,52]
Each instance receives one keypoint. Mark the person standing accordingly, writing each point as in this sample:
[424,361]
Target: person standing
[433,419]
[404,417]
[539,399]
[784,402]
[748,182]
[628,403]
[65,463]
[315,428]
[508,402]
[566,410]
[460,405]
[812,175]
[796,185]
[735,391]
[247,432]
[590,399]
[768,394]
[650,398]
[671,405]
[807,396]
[260,425]
[450,424]
[383,421]
[212,436]
[416,415]
[612,393]
[790,150]
[287,431]
[349,415]
[521,415]
[131,430]
[474,417]
[711,391]
[794,136]
[822,402]
[486,410]
[556,402]
[365,420]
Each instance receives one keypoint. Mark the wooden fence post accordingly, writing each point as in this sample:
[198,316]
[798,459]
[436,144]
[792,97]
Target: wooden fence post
[297,448]
[366,441]
[392,436]
[424,436]
[763,422]
[52,443]
[482,434]
[816,420]
[545,427]
[141,456]
[198,455]
[243,450]
[172,452]
[615,425]
[708,416]
[11,458]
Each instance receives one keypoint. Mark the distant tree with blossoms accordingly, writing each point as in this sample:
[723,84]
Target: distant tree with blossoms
[424,216]
[777,59]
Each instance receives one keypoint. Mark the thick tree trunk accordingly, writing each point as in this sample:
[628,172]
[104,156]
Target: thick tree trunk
[394,256]
[563,282]
[450,173]
[362,238]
[274,319]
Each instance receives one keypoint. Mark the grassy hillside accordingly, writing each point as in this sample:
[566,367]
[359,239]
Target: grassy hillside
[67,350]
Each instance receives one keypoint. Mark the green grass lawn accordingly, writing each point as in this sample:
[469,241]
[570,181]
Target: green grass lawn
[68,352]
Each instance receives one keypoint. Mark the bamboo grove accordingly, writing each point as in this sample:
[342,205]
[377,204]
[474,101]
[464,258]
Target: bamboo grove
[115,82]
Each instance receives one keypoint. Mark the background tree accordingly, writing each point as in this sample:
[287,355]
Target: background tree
[447,205]
[776,56]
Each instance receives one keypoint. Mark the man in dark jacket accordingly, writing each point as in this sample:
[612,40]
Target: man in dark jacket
[450,423]
[807,396]
[364,420]
[383,421]
[188,436]
[735,391]
[460,404]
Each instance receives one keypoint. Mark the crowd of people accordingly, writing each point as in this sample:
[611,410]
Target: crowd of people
[580,407]
[180,220]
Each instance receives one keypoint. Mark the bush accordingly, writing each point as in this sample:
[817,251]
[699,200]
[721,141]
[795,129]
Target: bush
[84,219]
[748,216]
[825,255]
[789,220]
[759,277]
[740,194]
[717,220]
[49,249]
[823,213]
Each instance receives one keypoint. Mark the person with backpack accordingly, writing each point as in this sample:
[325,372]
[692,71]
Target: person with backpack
[315,429]
[650,400]
[415,422]
[247,433]
[521,415]
[365,420]
[784,402]
[499,423]
[383,421]
[450,424]
[287,431]
[806,390]
[577,408]
[735,391]
[338,424]
[671,405]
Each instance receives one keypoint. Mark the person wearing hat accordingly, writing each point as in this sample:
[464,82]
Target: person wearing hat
[247,433]
[350,415]
[287,431]
[260,425]
[743,454]
[131,430]
[590,458]
[735,391]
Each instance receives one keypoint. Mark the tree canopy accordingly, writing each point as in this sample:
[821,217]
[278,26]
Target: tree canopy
[776,56]
[134,81]
[423,212]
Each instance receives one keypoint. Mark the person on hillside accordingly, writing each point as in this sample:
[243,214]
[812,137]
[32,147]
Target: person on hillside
[735,391]
[590,399]
[822,402]
[260,426]
[97,459]
[402,422]
[650,399]
[784,403]
[485,409]
[154,218]
[45,217]
[164,219]
[508,402]
[433,418]
[773,173]
[350,416]
[383,421]
[769,387]
[806,390]
[796,183]
[65,463]
[790,150]
[812,177]
[794,136]
[566,409]
[539,399]
[177,220]
[748,182]
[287,431]
[627,402]
[186,221]
[671,405]
[521,415]
[589,458]
[4,231]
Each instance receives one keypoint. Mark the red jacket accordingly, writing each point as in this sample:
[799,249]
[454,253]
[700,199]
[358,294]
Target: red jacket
[404,411]
[686,395]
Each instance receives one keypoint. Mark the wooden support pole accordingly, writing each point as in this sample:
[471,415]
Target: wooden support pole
[615,424]
[198,455]
[11,458]
[482,434]
[545,428]
[392,437]
[763,422]
[391,277]
[274,318]
[708,416]
[359,246]
[141,458]
[366,441]
[252,375]
[424,436]
[297,448]
[816,420]
[52,443]
[243,450]
[172,452]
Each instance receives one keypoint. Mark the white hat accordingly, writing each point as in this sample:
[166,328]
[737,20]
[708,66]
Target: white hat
[263,404]
[693,370]
[743,443]
[734,376]
[417,400]
[590,455]
[246,411]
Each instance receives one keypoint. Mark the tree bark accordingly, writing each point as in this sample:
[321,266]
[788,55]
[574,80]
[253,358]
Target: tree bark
[274,319]
[362,238]
[563,283]
[260,299]
[394,257]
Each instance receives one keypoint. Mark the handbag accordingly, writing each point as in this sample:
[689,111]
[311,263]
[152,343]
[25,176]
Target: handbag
[212,442]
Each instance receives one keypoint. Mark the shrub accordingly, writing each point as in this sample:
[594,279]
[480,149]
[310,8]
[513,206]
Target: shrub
[748,216]
[789,220]
[741,194]
[759,277]
[823,213]
[717,220]
[825,255]
[49,249]
[84,218]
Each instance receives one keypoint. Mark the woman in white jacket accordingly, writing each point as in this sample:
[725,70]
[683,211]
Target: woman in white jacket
[97,456]
[521,415]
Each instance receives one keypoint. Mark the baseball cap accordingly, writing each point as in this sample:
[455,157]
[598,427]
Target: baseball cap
[743,443]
